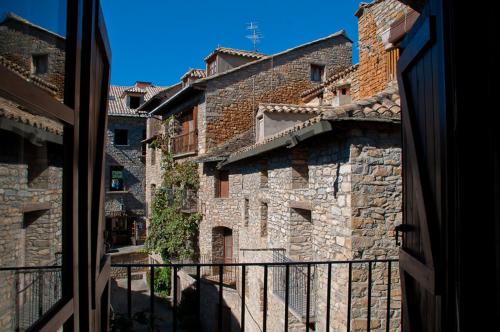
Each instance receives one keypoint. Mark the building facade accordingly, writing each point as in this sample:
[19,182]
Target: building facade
[125,183]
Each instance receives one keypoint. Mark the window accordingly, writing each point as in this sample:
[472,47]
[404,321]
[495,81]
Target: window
[134,101]
[263,174]
[212,67]
[245,213]
[317,73]
[263,218]
[121,137]
[39,64]
[300,169]
[392,57]
[116,178]
[222,184]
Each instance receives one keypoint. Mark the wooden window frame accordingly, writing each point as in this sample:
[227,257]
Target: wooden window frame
[220,192]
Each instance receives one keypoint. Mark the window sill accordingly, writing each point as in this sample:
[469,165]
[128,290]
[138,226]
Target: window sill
[117,192]
[185,154]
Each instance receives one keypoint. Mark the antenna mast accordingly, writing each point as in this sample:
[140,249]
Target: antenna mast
[255,35]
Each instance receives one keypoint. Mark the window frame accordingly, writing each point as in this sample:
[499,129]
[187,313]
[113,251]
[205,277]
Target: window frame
[113,168]
[35,57]
[218,184]
[321,69]
[115,135]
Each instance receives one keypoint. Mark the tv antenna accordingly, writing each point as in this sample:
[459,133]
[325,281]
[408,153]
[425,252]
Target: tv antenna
[255,35]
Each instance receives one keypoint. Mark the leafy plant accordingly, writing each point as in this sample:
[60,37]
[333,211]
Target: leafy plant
[162,281]
[172,233]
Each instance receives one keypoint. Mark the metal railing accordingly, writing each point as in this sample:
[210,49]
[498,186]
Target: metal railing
[184,143]
[300,284]
[358,299]
[37,289]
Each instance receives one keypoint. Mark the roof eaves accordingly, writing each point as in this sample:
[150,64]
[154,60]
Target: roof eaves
[180,93]
[340,33]
[290,140]
[22,20]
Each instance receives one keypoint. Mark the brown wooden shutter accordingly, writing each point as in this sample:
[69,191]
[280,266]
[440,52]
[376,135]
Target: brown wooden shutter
[224,184]
[418,72]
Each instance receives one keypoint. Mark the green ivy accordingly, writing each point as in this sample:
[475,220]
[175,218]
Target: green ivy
[173,233]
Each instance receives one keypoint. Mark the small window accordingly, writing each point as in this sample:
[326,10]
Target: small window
[344,91]
[300,169]
[317,73]
[222,184]
[263,218]
[245,212]
[40,64]
[121,137]
[116,178]
[212,67]
[153,156]
[263,174]
[134,101]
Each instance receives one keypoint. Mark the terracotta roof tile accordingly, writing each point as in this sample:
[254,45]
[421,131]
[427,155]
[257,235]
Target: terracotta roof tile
[234,51]
[223,150]
[290,108]
[329,81]
[117,104]
[194,73]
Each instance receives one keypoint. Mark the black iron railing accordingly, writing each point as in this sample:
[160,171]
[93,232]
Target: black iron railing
[36,289]
[359,275]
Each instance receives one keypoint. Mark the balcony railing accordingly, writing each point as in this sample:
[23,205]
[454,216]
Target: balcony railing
[367,285]
[185,143]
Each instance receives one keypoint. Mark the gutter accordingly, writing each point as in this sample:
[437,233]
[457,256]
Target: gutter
[289,141]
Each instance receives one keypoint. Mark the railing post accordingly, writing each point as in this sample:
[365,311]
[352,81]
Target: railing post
[221,276]
[308,295]
[349,290]
[243,298]
[198,295]
[174,310]
[388,314]
[129,291]
[287,286]
[328,296]
[40,293]
[264,318]
[369,303]
[152,293]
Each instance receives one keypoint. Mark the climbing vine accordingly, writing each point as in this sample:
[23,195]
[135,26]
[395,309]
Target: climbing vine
[173,233]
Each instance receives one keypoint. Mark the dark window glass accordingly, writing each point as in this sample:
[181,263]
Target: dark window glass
[317,73]
[134,102]
[31,191]
[121,137]
[116,178]
[40,64]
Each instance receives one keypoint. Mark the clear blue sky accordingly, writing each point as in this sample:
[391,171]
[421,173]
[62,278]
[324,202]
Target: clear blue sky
[159,40]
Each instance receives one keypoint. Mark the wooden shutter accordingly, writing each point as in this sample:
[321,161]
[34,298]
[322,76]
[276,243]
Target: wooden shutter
[419,70]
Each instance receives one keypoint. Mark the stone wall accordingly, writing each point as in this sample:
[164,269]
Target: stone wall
[353,196]
[20,42]
[31,211]
[373,20]
[232,99]
[130,157]
[153,178]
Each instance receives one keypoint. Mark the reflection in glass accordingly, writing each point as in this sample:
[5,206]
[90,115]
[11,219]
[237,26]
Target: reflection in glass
[31,169]
[33,42]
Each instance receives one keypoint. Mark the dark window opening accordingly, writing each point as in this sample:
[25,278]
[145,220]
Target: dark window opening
[116,178]
[246,213]
[121,137]
[317,73]
[222,184]
[40,64]
[143,146]
[300,169]
[134,101]
[344,91]
[263,219]
[264,176]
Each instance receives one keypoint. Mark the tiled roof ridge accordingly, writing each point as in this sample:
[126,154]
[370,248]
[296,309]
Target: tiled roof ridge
[118,107]
[11,15]
[224,149]
[292,108]
[383,105]
[330,80]
[194,72]
[267,57]
[27,75]
[236,51]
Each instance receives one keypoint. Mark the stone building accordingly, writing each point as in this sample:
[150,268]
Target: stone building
[320,180]
[125,163]
[218,104]
[31,177]
[38,52]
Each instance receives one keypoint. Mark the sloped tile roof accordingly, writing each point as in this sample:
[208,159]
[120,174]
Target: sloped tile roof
[13,111]
[194,73]
[27,75]
[223,150]
[117,98]
[234,51]
[290,108]
[329,81]
[384,107]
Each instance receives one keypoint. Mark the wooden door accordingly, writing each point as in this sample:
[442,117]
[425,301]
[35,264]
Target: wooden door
[424,125]
[228,246]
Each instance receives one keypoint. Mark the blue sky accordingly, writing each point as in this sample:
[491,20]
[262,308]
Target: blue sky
[159,40]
